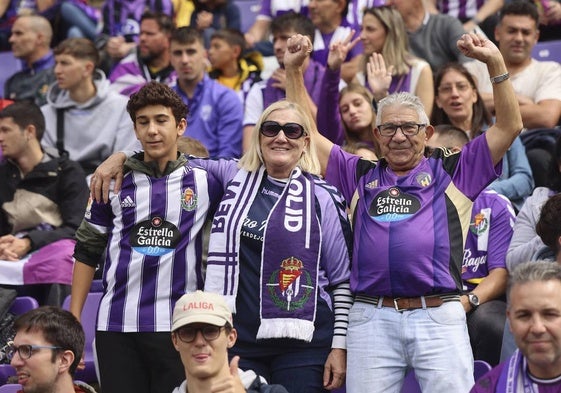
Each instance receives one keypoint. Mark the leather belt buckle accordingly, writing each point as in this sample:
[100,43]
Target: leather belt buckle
[396,306]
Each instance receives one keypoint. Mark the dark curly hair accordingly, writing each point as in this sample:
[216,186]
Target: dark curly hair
[156,93]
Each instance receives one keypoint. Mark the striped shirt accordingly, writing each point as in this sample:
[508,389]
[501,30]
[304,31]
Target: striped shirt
[154,245]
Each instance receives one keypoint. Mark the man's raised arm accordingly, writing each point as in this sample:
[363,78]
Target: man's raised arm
[298,49]
[508,119]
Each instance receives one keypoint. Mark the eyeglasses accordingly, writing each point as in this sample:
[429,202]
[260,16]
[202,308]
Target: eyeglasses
[447,89]
[24,351]
[187,334]
[408,129]
[272,128]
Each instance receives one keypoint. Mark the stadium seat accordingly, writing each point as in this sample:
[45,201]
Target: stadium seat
[547,51]
[89,317]
[9,65]
[480,367]
[249,9]
[10,388]
[23,304]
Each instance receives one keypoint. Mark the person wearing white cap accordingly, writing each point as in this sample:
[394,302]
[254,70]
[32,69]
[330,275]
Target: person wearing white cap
[202,332]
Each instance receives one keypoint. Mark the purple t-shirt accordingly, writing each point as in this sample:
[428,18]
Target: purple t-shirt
[409,230]
[490,231]
[488,383]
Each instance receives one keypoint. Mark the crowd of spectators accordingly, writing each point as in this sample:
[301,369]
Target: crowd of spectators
[82,61]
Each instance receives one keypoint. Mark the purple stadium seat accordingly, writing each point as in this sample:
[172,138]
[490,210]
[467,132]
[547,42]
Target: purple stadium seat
[249,9]
[89,317]
[547,51]
[10,388]
[480,367]
[9,65]
[23,304]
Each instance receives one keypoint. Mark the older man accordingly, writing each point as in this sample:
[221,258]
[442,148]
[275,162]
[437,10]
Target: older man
[534,313]
[31,43]
[411,215]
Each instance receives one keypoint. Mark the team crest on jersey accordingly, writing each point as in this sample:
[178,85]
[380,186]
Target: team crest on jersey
[290,287]
[479,225]
[206,111]
[154,237]
[424,179]
[372,184]
[189,200]
[393,205]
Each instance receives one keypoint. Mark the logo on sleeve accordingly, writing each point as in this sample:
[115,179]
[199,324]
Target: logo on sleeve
[393,205]
[155,237]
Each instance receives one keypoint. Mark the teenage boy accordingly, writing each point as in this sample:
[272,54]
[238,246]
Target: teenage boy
[152,237]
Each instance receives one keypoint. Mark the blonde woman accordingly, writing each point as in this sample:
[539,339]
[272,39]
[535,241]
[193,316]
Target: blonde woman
[387,64]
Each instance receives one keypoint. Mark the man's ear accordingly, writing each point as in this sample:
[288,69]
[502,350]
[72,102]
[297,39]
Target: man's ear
[174,341]
[66,359]
[181,127]
[429,131]
[90,67]
[30,132]
[232,337]
[237,51]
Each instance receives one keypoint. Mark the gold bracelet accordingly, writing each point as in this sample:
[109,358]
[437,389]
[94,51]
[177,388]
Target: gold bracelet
[500,78]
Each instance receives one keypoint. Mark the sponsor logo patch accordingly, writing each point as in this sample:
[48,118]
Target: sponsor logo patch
[154,237]
[393,205]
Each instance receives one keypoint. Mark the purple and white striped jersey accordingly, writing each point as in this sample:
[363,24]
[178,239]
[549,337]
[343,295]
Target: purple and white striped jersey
[409,231]
[461,9]
[154,247]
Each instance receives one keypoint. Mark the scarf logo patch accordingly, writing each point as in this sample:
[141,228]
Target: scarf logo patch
[189,200]
[291,286]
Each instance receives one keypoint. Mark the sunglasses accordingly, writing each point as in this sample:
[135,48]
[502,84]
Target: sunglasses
[272,128]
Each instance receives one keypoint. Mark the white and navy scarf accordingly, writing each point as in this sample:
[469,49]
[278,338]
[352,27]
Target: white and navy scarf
[513,378]
[290,254]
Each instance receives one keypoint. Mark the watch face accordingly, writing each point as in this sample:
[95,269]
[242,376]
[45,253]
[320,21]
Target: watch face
[473,299]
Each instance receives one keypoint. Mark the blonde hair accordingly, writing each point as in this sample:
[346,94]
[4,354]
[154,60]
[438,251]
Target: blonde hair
[396,46]
[253,158]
